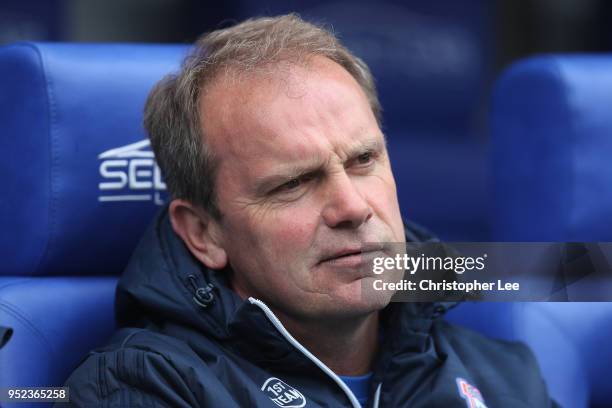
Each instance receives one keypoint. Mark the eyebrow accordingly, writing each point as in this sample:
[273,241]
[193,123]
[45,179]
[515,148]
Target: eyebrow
[369,145]
[314,165]
[266,183]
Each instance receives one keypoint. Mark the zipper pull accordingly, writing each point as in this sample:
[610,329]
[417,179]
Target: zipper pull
[203,296]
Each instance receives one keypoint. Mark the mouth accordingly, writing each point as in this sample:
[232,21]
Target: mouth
[351,257]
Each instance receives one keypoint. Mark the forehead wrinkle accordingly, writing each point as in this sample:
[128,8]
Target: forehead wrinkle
[329,108]
[323,108]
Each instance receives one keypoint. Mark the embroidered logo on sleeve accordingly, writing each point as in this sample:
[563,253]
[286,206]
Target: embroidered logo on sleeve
[282,394]
[470,394]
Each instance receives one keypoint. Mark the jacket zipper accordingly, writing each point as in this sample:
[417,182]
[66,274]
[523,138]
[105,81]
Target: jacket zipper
[377,396]
[279,326]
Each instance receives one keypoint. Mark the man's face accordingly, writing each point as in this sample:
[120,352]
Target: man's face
[304,181]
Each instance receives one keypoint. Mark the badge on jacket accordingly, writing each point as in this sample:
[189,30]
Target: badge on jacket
[470,394]
[282,394]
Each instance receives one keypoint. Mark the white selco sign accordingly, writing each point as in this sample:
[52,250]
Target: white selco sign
[130,173]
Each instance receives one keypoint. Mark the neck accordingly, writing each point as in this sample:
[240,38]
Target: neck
[346,346]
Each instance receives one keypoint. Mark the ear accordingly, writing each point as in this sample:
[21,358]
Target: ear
[200,232]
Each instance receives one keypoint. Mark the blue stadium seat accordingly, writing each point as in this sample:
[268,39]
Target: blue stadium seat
[80,185]
[552,178]
[552,148]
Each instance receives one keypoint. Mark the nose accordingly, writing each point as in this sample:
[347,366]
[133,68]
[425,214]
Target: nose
[345,206]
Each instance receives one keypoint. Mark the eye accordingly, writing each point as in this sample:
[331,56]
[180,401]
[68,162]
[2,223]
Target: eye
[364,158]
[295,184]
[290,185]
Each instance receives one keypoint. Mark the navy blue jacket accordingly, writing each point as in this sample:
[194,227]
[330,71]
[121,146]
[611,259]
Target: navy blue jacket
[189,341]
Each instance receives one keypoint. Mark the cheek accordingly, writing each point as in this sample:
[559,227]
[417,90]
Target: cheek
[385,203]
[382,196]
[292,228]
[282,234]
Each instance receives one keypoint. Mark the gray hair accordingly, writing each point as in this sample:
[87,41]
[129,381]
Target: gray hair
[171,115]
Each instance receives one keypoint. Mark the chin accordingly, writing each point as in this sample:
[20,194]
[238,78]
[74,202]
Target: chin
[359,300]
